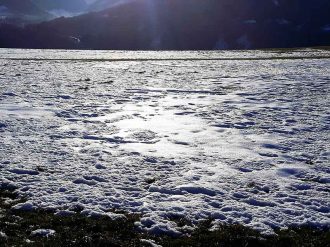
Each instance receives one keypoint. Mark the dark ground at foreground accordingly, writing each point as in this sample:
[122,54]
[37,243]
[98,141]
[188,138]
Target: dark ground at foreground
[78,230]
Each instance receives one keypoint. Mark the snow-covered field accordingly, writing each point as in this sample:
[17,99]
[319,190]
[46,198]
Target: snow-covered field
[169,135]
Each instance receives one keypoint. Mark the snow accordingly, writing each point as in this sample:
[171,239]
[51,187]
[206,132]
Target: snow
[22,110]
[26,206]
[3,235]
[43,233]
[150,243]
[169,134]
[7,184]
[24,171]
[99,213]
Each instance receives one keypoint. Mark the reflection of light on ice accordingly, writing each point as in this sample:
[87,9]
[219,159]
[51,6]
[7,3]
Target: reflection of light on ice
[176,134]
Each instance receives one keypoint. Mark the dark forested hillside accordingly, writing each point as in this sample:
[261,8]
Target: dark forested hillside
[184,24]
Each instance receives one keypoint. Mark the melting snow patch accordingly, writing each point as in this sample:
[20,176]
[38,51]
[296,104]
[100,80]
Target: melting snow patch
[43,233]
[65,213]
[164,228]
[99,166]
[3,235]
[286,172]
[95,178]
[24,171]
[99,213]
[151,243]
[27,206]
[24,111]
[84,181]
[165,190]
[259,203]
[196,190]
[7,184]
[239,144]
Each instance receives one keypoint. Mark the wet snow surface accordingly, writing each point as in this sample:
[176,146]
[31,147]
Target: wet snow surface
[242,141]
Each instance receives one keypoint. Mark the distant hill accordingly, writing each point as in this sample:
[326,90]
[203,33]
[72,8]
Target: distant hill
[184,24]
[32,11]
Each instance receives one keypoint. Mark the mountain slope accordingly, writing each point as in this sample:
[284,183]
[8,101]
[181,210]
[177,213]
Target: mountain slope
[190,24]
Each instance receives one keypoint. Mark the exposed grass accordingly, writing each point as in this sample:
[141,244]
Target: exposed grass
[78,230]
[238,235]
[322,47]
[295,49]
